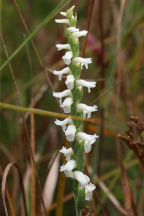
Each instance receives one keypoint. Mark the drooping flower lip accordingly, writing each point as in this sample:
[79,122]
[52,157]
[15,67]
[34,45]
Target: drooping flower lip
[70,81]
[65,21]
[69,166]
[86,137]
[86,84]
[88,140]
[72,29]
[63,47]
[87,110]
[63,123]
[89,188]
[66,105]
[62,72]
[70,133]
[76,33]
[79,33]
[67,152]
[83,61]
[67,57]
[81,178]
[62,94]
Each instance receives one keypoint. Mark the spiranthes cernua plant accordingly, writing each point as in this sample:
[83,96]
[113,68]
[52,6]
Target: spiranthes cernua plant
[70,102]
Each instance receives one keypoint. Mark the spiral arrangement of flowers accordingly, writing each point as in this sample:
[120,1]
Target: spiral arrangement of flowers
[70,98]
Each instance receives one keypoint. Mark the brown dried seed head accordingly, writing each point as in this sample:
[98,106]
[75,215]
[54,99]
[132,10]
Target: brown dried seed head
[134,118]
[131,135]
[87,207]
[129,124]
[126,138]
[93,214]
[141,128]
[119,135]
[84,212]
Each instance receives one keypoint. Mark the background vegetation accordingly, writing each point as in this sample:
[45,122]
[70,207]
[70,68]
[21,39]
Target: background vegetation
[28,35]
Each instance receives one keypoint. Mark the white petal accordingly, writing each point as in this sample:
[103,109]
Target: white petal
[69,174]
[88,140]
[63,123]
[88,191]
[86,137]
[67,57]
[70,82]
[81,178]
[63,46]
[83,61]
[69,10]
[66,105]
[62,94]
[69,166]
[79,34]
[87,110]
[63,13]
[72,7]
[72,29]
[66,21]
[67,152]
[70,133]
[61,72]
[87,84]
[87,146]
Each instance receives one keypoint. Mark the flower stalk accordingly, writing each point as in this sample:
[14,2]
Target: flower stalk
[70,98]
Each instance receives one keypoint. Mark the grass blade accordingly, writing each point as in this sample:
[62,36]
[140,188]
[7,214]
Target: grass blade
[59,7]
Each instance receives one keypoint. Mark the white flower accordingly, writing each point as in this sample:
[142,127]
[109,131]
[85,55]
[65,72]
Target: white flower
[70,82]
[66,21]
[88,191]
[70,133]
[82,61]
[68,167]
[67,152]
[69,174]
[87,110]
[76,32]
[79,34]
[67,57]
[66,105]
[88,140]
[62,94]
[72,29]
[81,178]
[84,83]
[61,72]
[72,7]
[63,123]
[65,13]
[63,46]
